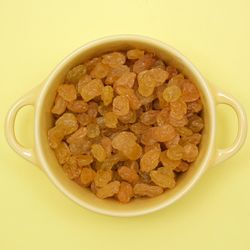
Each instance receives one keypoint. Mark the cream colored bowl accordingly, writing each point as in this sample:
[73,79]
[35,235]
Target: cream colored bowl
[42,97]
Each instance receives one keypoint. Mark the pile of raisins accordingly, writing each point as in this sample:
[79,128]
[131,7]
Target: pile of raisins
[126,125]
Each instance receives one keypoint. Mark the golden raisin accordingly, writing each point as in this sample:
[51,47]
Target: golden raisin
[98,152]
[120,105]
[67,92]
[103,177]
[92,89]
[107,95]
[125,192]
[128,174]
[108,190]
[59,106]
[84,160]
[110,120]
[76,73]
[150,160]
[163,177]
[87,176]
[114,59]
[99,71]
[142,189]
[135,54]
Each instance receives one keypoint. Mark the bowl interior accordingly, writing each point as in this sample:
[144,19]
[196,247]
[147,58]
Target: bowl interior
[44,121]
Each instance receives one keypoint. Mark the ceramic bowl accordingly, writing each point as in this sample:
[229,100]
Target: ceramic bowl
[42,97]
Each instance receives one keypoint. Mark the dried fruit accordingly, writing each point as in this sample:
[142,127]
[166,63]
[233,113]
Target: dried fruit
[134,102]
[126,79]
[189,92]
[150,160]
[178,109]
[147,138]
[163,133]
[87,176]
[178,122]
[71,168]
[59,106]
[110,120]
[103,177]
[130,117]
[93,130]
[75,74]
[190,152]
[143,63]
[166,162]
[162,117]
[133,152]
[92,63]
[115,73]
[155,146]
[62,153]
[195,106]
[139,128]
[125,192]
[123,140]
[163,177]
[102,109]
[135,54]
[92,89]
[182,167]
[149,117]
[68,123]
[175,152]
[159,75]
[120,105]
[107,145]
[159,93]
[77,106]
[160,64]
[99,71]
[80,146]
[77,135]
[100,122]
[67,92]
[98,152]
[172,71]
[147,83]
[184,131]
[177,80]
[84,160]
[55,136]
[83,119]
[195,123]
[144,100]
[82,82]
[107,95]
[144,177]
[142,189]
[173,141]
[113,59]
[171,93]
[92,110]
[108,190]
[128,174]
[193,139]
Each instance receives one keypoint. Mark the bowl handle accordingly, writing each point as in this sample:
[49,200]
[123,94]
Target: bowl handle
[223,154]
[28,99]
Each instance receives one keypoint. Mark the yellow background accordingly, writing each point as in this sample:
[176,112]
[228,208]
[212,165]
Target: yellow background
[36,35]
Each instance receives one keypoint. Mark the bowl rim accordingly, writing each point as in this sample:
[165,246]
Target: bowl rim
[118,38]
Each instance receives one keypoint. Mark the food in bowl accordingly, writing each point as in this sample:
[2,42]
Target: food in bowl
[127,125]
